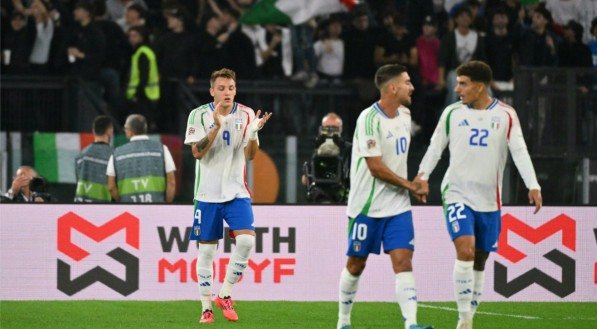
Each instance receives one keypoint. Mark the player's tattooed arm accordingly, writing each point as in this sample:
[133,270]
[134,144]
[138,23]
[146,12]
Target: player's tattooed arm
[202,143]
[200,148]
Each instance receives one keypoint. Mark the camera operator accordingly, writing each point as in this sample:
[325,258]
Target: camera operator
[39,190]
[327,173]
[19,190]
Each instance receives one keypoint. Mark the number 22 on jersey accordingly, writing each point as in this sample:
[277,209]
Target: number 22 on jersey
[478,137]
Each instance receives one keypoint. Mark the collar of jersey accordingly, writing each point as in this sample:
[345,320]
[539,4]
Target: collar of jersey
[379,109]
[489,107]
[212,106]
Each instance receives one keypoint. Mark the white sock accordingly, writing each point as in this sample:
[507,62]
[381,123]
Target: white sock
[205,269]
[238,263]
[477,290]
[406,294]
[349,284]
[463,287]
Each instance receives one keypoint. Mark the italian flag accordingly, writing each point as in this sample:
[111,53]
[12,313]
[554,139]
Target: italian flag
[293,11]
[54,153]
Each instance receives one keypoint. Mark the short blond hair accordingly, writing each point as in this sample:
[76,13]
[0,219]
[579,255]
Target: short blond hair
[222,73]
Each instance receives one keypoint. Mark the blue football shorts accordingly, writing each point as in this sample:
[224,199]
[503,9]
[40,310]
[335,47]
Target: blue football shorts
[485,226]
[209,217]
[366,234]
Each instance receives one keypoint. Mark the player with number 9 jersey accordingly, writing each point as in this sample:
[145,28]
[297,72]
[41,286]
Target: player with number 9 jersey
[220,175]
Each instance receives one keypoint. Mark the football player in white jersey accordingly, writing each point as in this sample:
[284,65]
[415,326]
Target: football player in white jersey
[479,131]
[223,136]
[378,202]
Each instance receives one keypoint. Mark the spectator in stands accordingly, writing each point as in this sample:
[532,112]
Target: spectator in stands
[134,16]
[19,190]
[87,46]
[330,51]
[277,57]
[304,60]
[115,60]
[359,45]
[536,45]
[91,163]
[17,45]
[572,52]
[589,15]
[428,45]
[239,54]
[563,11]
[395,46]
[457,47]
[593,43]
[500,51]
[116,9]
[143,90]
[210,52]
[176,48]
[44,26]
[141,171]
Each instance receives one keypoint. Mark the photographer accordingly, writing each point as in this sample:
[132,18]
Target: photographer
[24,184]
[327,173]
[39,190]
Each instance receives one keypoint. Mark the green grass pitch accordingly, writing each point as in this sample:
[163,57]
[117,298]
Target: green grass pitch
[184,314]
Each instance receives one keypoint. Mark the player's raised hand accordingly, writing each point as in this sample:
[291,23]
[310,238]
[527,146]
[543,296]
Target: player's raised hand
[536,199]
[262,120]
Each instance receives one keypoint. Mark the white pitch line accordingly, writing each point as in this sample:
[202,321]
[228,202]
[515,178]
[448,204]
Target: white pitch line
[444,308]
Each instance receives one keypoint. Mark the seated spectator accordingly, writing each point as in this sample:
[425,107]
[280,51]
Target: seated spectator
[330,51]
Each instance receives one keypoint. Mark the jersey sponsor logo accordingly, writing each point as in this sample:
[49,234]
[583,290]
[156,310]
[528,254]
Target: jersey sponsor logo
[191,131]
[563,288]
[463,123]
[370,143]
[70,221]
[238,124]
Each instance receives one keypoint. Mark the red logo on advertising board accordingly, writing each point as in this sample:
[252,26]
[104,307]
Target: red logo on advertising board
[561,288]
[535,235]
[124,221]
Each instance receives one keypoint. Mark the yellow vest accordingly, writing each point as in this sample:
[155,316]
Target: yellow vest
[152,90]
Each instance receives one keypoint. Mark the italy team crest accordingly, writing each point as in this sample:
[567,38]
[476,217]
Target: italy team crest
[238,124]
[495,123]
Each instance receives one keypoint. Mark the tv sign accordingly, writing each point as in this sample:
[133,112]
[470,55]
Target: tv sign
[511,224]
[71,221]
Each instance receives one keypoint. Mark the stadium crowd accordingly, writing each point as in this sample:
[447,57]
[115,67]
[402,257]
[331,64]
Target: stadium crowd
[125,50]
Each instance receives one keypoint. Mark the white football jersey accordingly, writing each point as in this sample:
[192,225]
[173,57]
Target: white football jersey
[220,175]
[478,141]
[377,135]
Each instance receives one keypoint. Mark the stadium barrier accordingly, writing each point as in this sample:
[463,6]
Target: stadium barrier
[134,252]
